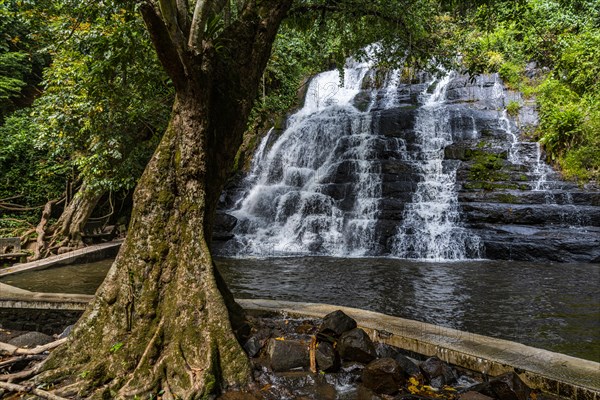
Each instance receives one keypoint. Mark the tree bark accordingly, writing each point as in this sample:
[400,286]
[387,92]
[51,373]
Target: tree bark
[68,230]
[162,319]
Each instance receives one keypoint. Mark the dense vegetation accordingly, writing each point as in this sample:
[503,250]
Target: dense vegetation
[561,40]
[102,100]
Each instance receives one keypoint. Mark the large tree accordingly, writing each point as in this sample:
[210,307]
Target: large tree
[163,320]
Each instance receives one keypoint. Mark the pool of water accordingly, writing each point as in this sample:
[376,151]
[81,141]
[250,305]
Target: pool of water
[551,306]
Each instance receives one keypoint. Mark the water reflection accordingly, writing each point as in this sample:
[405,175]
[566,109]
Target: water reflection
[551,306]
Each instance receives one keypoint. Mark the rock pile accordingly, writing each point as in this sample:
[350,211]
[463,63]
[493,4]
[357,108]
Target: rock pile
[333,358]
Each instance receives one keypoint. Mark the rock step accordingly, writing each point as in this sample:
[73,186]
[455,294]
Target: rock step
[531,214]
[531,197]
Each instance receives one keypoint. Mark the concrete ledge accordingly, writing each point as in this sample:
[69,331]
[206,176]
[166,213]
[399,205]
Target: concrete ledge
[551,372]
[15,298]
[86,254]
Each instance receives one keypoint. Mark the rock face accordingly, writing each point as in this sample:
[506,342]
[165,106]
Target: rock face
[516,206]
[383,376]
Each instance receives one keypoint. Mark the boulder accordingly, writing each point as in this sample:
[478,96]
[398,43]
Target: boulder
[383,376]
[437,372]
[504,387]
[327,359]
[407,365]
[363,393]
[285,355]
[336,323]
[507,386]
[356,345]
[31,339]
[66,332]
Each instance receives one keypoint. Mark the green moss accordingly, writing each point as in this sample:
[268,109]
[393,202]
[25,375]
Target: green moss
[513,108]
[487,170]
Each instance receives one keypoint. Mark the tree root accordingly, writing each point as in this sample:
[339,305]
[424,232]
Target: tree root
[9,349]
[26,389]
[14,360]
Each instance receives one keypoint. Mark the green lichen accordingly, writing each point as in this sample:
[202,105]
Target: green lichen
[507,198]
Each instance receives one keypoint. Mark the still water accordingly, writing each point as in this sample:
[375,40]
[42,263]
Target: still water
[551,306]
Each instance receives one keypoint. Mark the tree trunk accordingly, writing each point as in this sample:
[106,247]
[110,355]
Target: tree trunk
[68,229]
[162,319]
[159,321]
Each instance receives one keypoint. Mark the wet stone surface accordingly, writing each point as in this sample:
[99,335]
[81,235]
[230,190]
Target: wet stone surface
[304,359]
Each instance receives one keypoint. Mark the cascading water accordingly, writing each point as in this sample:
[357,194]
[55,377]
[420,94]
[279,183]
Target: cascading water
[431,223]
[296,203]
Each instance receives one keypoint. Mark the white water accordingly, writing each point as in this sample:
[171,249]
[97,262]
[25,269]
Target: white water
[431,227]
[294,205]
[318,189]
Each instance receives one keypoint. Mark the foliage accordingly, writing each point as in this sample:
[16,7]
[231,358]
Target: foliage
[105,99]
[563,39]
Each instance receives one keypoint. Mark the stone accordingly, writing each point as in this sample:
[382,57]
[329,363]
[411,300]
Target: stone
[507,386]
[253,346]
[437,372]
[31,340]
[66,332]
[408,366]
[327,359]
[356,345]
[383,376]
[336,323]
[472,395]
[285,355]
[363,393]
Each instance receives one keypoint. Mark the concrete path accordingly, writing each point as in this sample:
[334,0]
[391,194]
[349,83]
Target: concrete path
[96,252]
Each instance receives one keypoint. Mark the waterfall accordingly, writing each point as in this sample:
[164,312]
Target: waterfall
[318,189]
[297,202]
[431,227]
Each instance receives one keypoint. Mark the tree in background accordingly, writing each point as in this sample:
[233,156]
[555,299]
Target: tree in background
[163,320]
[104,104]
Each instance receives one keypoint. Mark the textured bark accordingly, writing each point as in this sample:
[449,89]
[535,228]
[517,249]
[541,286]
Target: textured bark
[162,319]
[69,228]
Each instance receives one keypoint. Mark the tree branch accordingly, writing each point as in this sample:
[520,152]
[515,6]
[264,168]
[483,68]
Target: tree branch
[170,13]
[198,23]
[169,56]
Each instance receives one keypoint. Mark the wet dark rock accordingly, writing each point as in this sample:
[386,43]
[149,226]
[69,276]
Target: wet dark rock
[437,372]
[364,393]
[31,339]
[472,395]
[253,346]
[409,367]
[327,358]
[504,387]
[285,355]
[356,345]
[66,332]
[336,323]
[223,225]
[383,376]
